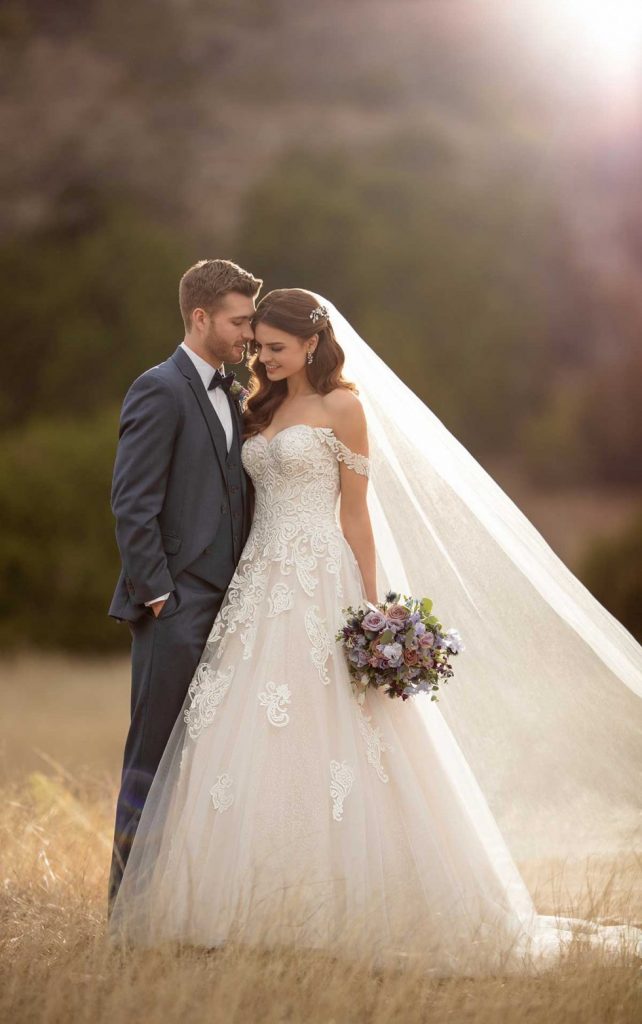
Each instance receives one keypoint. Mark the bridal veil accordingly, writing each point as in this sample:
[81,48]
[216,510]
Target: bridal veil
[545,702]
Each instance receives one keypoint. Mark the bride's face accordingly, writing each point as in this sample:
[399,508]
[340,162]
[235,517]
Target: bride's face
[282,354]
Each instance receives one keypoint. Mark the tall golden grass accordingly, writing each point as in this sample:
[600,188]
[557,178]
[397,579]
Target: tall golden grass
[57,965]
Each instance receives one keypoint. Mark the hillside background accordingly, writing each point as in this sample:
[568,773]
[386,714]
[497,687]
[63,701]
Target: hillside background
[460,183]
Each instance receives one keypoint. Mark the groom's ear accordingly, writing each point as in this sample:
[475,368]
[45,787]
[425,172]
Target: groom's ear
[198,317]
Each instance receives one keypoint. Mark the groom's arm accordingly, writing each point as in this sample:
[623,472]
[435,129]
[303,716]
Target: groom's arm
[148,426]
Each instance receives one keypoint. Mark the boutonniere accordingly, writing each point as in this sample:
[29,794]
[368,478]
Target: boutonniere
[239,393]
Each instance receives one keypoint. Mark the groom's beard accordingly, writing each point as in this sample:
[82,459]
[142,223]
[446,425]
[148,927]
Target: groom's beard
[236,360]
[227,345]
[231,354]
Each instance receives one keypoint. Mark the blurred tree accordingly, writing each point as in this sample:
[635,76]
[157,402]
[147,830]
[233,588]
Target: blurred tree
[457,281]
[590,429]
[87,306]
[43,17]
[58,557]
[552,445]
[612,570]
[610,422]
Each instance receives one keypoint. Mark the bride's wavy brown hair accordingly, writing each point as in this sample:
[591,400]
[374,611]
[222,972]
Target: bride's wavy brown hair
[288,309]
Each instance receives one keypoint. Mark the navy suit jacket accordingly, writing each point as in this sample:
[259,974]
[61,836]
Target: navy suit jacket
[170,487]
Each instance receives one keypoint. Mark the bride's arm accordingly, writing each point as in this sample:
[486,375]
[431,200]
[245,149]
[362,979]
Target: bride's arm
[349,425]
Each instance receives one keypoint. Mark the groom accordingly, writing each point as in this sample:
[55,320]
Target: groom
[180,498]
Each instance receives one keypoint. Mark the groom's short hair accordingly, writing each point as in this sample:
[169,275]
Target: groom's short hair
[204,285]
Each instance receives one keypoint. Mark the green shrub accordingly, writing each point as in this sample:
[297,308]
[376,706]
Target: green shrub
[58,556]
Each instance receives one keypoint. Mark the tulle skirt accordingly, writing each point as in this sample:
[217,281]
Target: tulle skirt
[285,814]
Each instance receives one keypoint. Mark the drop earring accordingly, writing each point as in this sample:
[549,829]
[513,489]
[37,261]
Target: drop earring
[310,356]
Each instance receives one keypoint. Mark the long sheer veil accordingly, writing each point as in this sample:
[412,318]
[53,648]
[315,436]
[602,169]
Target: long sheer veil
[545,702]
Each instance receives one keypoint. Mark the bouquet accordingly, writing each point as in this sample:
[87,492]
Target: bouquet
[399,647]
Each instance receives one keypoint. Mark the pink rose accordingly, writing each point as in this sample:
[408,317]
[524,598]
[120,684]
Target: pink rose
[397,614]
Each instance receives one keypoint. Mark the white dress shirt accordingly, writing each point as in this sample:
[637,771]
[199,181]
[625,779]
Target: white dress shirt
[217,396]
[220,404]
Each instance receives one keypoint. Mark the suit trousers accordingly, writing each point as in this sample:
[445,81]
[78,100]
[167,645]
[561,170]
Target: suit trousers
[165,654]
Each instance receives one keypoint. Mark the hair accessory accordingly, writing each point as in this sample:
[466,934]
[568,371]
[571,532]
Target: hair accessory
[318,313]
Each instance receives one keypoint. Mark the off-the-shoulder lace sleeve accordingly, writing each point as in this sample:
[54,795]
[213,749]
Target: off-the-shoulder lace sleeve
[359,463]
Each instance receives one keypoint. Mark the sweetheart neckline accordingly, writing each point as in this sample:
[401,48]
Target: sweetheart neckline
[292,426]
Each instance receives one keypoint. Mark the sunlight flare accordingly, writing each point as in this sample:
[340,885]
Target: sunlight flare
[608,35]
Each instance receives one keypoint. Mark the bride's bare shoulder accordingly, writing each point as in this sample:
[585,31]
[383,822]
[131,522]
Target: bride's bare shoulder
[346,417]
[342,403]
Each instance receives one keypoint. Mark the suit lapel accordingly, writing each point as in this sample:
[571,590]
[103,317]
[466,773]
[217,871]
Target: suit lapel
[213,422]
[214,425]
[236,423]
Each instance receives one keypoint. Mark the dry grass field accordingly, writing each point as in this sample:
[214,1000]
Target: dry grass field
[64,727]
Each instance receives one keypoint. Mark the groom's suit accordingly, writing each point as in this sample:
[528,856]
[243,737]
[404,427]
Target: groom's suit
[181,502]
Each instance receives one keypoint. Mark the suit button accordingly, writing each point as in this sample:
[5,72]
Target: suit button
[231,465]
[233,488]
[223,509]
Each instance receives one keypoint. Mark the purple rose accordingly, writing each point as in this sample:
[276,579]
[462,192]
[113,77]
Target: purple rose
[374,622]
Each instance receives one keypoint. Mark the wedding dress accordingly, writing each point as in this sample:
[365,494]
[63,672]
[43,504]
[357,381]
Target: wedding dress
[286,814]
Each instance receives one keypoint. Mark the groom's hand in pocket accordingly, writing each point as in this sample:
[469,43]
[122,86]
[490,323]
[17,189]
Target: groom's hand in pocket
[158,606]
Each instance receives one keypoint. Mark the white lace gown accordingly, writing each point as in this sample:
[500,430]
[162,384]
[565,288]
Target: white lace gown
[286,814]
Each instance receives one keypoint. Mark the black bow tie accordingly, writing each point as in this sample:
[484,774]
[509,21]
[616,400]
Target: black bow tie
[220,380]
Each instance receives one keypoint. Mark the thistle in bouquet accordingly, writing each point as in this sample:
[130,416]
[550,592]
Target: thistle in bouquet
[399,647]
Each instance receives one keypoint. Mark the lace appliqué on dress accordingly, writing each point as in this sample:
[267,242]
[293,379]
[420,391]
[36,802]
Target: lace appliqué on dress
[207,689]
[320,640]
[375,744]
[245,592]
[222,798]
[281,599]
[341,779]
[297,485]
[274,698]
[248,636]
[353,460]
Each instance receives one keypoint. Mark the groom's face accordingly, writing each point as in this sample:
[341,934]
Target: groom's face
[228,329]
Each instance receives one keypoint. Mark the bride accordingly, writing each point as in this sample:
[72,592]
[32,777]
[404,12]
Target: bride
[285,813]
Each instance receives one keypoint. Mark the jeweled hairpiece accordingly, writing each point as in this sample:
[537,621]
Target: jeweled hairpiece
[318,314]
